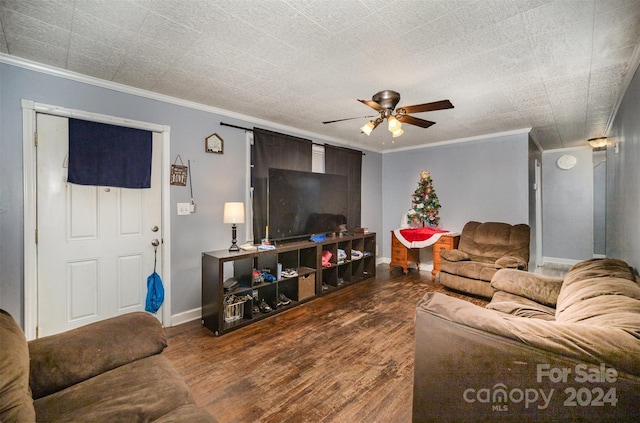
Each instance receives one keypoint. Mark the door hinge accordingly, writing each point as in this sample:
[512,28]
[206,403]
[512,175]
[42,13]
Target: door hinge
[37,332]
[36,236]
[35,138]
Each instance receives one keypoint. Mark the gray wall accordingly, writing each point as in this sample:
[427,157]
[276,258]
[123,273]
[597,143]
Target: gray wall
[567,198]
[623,179]
[372,189]
[483,180]
[216,178]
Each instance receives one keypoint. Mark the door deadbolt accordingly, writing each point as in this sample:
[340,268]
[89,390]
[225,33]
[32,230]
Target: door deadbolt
[154,229]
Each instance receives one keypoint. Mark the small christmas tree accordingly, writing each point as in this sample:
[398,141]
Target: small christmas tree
[424,203]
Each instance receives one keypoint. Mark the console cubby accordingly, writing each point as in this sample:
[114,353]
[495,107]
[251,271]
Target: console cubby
[269,293]
[309,257]
[268,262]
[333,250]
[344,246]
[344,274]
[369,256]
[289,288]
[310,279]
[289,260]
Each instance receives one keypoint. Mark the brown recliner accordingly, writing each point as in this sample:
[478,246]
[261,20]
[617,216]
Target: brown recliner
[483,249]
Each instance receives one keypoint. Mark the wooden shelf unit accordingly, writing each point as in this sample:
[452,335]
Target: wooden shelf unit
[304,256]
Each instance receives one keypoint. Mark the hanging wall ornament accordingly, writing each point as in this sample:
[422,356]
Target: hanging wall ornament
[178,172]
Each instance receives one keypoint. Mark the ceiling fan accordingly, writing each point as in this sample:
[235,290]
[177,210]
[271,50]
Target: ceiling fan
[384,102]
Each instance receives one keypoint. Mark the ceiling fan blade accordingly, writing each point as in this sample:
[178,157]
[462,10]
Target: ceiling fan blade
[372,104]
[340,120]
[415,121]
[427,107]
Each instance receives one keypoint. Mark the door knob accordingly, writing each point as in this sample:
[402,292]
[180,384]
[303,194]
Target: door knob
[154,228]
[155,242]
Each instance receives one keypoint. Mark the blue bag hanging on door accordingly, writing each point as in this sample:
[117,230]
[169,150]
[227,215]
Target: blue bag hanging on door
[155,290]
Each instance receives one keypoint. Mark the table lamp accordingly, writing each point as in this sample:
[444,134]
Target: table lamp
[234,214]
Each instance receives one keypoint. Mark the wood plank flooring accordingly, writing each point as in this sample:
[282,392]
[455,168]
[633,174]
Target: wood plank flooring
[345,357]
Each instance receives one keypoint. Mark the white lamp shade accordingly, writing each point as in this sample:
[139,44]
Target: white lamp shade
[397,133]
[233,212]
[394,124]
[367,128]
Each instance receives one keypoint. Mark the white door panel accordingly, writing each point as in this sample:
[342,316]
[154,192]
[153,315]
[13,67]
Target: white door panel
[94,243]
[131,270]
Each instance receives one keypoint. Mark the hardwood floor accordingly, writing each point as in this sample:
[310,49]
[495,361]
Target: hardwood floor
[344,357]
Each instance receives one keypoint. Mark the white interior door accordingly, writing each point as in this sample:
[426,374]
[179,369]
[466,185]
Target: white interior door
[94,249]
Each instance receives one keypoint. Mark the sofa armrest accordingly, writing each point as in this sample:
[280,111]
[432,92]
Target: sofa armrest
[454,255]
[511,262]
[539,288]
[60,361]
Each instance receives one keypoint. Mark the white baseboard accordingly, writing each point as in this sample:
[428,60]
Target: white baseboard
[570,262]
[556,260]
[186,316]
[428,267]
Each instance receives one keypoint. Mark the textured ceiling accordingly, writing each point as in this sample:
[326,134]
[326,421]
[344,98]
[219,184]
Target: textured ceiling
[558,67]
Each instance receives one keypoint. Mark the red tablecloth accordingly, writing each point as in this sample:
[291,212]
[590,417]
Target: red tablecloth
[419,237]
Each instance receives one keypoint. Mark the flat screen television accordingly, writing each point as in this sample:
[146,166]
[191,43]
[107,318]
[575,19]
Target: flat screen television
[301,204]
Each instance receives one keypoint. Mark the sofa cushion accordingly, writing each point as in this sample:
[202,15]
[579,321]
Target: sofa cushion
[454,255]
[62,360]
[599,268]
[16,404]
[601,292]
[144,390]
[510,262]
[489,241]
[539,288]
[520,306]
[469,269]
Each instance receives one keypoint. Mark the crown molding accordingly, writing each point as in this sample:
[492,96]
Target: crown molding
[463,140]
[634,64]
[78,77]
[567,149]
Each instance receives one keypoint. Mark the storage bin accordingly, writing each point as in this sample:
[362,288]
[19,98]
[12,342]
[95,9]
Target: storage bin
[306,286]
[233,309]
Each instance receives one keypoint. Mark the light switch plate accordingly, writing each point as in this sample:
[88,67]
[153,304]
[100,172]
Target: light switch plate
[184,208]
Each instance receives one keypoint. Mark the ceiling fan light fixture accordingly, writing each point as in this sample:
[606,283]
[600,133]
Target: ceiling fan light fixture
[368,127]
[384,102]
[394,124]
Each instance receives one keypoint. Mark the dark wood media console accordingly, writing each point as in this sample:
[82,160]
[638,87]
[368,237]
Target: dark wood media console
[224,310]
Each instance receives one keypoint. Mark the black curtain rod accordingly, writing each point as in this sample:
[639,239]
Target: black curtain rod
[251,130]
[234,126]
